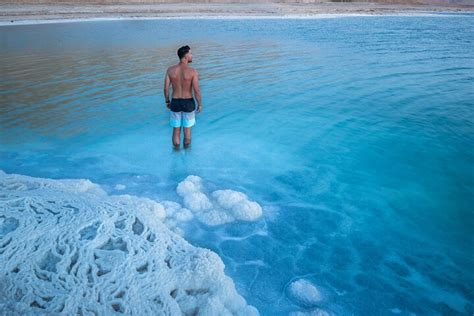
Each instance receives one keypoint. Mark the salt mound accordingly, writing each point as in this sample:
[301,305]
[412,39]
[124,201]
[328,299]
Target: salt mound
[224,206]
[315,312]
[304,293]
[67,247]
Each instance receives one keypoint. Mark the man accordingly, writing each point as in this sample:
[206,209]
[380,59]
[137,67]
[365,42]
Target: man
[184,79]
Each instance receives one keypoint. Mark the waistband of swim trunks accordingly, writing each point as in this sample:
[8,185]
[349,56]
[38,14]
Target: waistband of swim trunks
[182,99]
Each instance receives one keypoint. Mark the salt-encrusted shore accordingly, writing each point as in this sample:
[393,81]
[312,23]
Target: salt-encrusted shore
[67,248]
[11,14]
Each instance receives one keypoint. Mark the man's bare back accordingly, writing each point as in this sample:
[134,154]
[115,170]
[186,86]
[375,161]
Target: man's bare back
[183,80]
[181,77]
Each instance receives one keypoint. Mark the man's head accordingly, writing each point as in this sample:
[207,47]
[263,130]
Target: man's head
[184,52]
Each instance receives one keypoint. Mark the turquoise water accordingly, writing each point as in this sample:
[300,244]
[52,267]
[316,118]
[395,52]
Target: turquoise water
[355,134]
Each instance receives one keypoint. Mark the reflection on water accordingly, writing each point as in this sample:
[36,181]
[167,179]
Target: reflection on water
[69,94]
[66,95]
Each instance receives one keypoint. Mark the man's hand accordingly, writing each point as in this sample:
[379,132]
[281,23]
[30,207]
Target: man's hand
[199,109]
[168,104]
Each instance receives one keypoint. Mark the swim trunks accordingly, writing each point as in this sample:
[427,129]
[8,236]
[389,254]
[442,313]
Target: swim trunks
[182,105]
[182,112]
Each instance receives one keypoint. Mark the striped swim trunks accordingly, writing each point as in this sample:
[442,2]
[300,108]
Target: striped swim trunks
[182,112]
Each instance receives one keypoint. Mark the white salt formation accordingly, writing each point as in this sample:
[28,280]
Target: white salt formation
[67,247]
[120,187]
[224,206]
[315,312]
[175,214]
[304,293]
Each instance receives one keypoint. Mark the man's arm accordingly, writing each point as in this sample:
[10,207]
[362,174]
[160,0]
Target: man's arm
[197,91]
[166,89]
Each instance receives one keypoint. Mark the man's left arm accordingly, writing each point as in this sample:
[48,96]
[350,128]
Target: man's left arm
[166,90]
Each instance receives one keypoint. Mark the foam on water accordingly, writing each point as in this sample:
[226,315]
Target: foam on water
[68,247]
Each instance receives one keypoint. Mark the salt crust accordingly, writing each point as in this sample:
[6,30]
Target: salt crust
[67,247]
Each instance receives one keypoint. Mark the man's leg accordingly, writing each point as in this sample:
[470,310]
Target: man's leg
[176,136]
[176,122]
[188,122]
[187,137]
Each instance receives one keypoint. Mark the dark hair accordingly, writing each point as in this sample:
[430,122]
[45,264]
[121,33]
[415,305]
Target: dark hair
[182,51]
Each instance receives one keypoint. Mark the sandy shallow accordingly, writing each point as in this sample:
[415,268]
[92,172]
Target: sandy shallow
[11,14]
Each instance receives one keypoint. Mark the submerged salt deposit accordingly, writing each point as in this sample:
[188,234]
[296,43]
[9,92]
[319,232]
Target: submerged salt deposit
[304,293]
[222,206]
[68,247]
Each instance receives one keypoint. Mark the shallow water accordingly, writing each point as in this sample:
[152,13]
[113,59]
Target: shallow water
[355,134]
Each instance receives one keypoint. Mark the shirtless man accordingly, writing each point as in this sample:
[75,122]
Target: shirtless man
[184,79]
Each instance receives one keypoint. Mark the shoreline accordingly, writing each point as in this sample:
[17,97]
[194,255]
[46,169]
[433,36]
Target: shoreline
[226,17]
[21,14]
[216,17]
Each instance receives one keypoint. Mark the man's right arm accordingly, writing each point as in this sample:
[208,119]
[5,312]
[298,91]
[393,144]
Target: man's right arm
[197,91]
[166,89]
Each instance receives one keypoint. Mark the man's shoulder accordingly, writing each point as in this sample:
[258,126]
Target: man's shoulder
[191,69]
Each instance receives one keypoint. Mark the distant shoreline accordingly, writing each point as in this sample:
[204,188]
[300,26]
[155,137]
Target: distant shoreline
[16,14]
[227,17]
